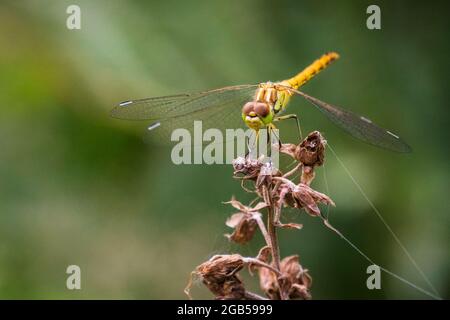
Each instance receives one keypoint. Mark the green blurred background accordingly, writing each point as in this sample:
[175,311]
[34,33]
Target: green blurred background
[77,187]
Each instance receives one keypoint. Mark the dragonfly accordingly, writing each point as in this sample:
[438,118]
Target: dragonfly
[256,106]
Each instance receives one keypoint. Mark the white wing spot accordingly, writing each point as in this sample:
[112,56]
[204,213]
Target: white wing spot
[154,126]
[366,120]
[125,103]
[394,135]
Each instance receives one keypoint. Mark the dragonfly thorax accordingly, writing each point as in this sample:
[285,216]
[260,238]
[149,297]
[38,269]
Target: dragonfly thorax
[267,93]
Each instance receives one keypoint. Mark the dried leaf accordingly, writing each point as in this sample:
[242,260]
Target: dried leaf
[244,230]
[245,209]
[235,219]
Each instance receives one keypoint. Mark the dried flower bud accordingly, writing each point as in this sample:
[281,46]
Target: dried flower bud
[221,266]
[266,173]
[312,150]
[311,153]
[247,168]
[244,222]
[219,274]
[294,280]
[268,283]
[244,228]
[301,196]
[297,279]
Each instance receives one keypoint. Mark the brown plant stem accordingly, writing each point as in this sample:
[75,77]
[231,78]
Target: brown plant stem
[262,264]
[271,228]
[253,296]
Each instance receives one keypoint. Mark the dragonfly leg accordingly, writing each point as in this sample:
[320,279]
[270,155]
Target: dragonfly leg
[276,135]
[271,130]
[269,150]
[291,116]
[255,142]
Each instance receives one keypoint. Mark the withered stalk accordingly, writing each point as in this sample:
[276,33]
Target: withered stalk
[278,278]
[272,230]
[253,296]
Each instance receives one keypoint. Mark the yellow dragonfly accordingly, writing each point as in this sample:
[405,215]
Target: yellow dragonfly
[258,105]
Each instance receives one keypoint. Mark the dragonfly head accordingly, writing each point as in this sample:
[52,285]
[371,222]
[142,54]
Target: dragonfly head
[257,114]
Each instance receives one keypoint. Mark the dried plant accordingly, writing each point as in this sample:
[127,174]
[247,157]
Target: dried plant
[278,278]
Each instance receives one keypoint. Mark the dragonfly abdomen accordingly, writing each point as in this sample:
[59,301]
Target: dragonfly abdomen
[313,69]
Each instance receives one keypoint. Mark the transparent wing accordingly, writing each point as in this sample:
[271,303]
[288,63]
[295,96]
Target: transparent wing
[358,126]
[178,105]
[216,109]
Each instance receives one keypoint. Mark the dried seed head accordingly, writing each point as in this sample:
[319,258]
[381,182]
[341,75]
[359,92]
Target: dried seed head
[297,280]
[244,228]
[294,280]
[308,199]
[244,222]
[311,150]
[310,153]
[219,274]
[301,196]
[266,173]
[246,168]
[221,266]
[268,283]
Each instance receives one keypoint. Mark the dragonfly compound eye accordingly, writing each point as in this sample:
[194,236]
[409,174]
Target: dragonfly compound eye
[261,109]
[248,108]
